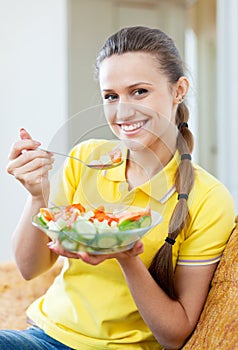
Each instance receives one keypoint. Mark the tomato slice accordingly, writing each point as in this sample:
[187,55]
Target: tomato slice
[79,206]
[134,216]
[101,215]
[47,214]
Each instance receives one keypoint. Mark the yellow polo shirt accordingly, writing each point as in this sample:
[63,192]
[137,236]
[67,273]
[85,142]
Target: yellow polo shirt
[90,307]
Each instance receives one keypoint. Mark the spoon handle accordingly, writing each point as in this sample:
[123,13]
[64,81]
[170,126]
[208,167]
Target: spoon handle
[64,155]
[92,166]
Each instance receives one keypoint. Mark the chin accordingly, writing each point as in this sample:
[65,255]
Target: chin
[134,145]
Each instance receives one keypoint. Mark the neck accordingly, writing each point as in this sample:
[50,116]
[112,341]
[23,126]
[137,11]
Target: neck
[151,160]
[143,165]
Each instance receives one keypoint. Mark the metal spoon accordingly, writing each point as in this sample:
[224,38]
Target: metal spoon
[103,166]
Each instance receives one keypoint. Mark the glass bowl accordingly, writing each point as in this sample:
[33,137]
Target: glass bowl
[106,241]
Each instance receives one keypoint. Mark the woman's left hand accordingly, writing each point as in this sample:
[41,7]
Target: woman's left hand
[97,259]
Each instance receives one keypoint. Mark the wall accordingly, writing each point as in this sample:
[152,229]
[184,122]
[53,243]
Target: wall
[227,87]
[84,41]
[202,20]
[33,90]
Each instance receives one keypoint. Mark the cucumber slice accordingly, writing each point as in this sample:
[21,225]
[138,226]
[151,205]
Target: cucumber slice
[55,209]
[128,225]
[69,245]
[62,236]
[58,225]
[106,241]
[42,220]
[128,239]
[145,221]
[86,238]
[84,227]
[83,231]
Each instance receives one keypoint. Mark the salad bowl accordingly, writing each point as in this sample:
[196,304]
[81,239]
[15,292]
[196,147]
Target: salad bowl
[97,230]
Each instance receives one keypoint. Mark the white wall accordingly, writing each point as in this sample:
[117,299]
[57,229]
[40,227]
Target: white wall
[33,89]
[227,87]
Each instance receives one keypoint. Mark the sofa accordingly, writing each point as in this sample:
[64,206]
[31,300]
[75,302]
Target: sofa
[217,328]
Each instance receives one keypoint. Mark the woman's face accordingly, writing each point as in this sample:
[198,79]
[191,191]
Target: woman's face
[138,100]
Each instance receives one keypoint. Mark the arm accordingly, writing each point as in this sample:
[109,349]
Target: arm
[170,321]
[30,166]
[32,255]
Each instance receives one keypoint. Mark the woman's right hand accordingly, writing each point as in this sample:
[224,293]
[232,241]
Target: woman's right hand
[30,165]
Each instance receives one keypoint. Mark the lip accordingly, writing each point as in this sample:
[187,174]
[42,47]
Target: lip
[133,127]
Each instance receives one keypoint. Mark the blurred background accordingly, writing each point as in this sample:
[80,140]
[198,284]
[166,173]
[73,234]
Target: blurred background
[47,54]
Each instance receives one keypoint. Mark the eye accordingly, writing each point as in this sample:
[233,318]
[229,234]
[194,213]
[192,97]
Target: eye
[110,97]
[140,91]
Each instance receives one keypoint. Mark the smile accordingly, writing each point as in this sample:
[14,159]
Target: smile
[132,127]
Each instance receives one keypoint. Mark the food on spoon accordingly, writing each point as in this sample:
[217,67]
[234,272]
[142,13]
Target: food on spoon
[99,227]
[114,157]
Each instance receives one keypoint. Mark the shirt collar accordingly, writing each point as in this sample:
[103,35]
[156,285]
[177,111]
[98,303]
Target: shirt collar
[161,187]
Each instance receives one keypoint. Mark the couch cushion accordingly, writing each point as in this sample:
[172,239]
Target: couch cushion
[16,294]
[218,324]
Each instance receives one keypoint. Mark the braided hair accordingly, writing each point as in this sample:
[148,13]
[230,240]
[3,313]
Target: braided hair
[162,47]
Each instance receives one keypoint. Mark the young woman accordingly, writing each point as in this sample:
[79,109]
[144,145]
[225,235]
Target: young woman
[151,296]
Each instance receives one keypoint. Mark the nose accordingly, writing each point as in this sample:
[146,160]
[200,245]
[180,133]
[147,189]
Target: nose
[125,110]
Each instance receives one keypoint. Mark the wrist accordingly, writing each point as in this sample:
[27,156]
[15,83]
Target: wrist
[129,262]
[39,200]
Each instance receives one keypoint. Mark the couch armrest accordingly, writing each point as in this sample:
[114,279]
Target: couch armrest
[217,327]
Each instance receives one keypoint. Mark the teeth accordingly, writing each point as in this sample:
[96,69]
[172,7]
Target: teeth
[132,127]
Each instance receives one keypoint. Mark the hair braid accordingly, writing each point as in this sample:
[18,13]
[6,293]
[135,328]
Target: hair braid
[161,267]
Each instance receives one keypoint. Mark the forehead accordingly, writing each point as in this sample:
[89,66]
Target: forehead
[129,66]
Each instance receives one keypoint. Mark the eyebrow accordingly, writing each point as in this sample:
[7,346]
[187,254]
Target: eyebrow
[131,86]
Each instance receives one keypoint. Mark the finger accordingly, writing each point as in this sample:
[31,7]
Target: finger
[138,246]
[93,259]
[19,146]
[23,145]
[34,159]
[29,161]
[33,175]
[24,134]
[137,249]
[57,249]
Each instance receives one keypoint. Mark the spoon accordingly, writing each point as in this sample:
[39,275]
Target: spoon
[98,166]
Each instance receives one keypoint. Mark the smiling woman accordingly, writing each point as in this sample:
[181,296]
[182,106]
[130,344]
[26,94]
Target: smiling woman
[160,284]
[144,109]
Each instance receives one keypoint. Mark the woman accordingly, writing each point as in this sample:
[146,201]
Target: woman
[151,296]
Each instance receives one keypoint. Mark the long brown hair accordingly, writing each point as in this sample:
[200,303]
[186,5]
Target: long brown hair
[162,47]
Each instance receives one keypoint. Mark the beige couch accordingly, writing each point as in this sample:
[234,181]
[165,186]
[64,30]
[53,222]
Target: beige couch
[217,328]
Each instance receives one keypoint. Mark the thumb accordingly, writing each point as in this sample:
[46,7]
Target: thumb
[24,134]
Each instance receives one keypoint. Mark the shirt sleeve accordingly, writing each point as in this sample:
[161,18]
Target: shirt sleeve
[209,228]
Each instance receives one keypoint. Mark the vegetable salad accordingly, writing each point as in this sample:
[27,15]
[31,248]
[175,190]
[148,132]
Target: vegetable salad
[95,228]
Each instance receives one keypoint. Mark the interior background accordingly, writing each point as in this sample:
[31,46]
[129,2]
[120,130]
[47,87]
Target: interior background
[47,52]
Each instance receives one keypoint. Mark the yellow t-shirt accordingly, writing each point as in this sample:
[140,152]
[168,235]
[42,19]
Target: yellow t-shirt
[90,307]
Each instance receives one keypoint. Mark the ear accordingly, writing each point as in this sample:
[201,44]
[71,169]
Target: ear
[181,88]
